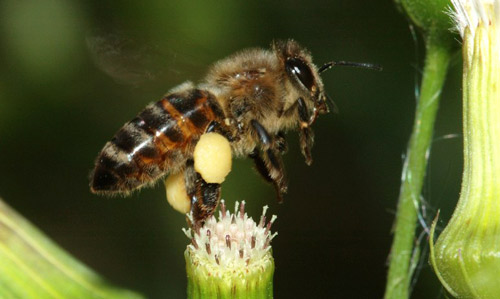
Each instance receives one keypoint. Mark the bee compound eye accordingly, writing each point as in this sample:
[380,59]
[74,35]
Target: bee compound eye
[298,68]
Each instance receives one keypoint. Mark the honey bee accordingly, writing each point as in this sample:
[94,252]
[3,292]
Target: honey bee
[252,98]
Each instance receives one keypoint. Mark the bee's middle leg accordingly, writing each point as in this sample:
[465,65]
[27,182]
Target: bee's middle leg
[204,196]
[268,162]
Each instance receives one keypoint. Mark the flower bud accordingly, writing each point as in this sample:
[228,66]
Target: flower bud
[466,256]
[230,257]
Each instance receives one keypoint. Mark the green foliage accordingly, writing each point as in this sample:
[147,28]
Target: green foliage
[32,266]
[428,15]
[431,17]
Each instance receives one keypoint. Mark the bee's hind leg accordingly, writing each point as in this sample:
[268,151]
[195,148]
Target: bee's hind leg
[204,196]
[221,128]
[268,162]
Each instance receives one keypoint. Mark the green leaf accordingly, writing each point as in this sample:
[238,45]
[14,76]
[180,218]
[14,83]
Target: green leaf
[32,266]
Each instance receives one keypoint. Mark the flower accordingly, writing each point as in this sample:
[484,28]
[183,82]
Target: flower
[230,256]
[466,256]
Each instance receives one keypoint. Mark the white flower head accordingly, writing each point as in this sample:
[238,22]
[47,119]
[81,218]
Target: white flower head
[234,242]
[471,13]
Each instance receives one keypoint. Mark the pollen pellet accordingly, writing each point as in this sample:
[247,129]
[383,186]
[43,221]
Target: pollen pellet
[176,192]
[212,157]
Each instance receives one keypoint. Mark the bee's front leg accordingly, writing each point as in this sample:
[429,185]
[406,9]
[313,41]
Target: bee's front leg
[269,162]
[204,196]
[306,134]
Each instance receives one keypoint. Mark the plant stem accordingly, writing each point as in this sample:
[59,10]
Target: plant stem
[436,65]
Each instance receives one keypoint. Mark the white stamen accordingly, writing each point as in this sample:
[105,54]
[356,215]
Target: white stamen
[234,240]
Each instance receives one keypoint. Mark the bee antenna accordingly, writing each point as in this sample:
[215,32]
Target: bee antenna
[330,64]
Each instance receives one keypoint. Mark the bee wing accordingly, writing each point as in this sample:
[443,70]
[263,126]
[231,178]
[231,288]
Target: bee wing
[132,61]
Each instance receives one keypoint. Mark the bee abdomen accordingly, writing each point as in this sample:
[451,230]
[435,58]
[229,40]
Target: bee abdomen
[155,142]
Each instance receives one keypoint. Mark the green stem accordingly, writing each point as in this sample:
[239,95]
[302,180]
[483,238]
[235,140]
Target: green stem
[436,65]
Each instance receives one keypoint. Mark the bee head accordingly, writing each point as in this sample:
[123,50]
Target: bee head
[302,75]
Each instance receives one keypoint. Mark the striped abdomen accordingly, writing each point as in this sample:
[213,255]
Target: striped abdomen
[157,141]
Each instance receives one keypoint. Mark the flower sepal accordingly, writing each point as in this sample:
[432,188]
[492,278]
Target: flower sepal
[466,256]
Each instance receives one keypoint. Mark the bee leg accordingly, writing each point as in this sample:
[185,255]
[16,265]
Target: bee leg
[260,165]
[204,197]
[280,142]
[221,128]
[269,164]
[306,134]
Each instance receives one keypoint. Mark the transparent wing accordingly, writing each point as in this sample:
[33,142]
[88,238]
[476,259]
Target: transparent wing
[132,61]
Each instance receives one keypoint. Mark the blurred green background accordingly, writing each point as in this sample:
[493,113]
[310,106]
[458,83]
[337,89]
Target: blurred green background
[58,107]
